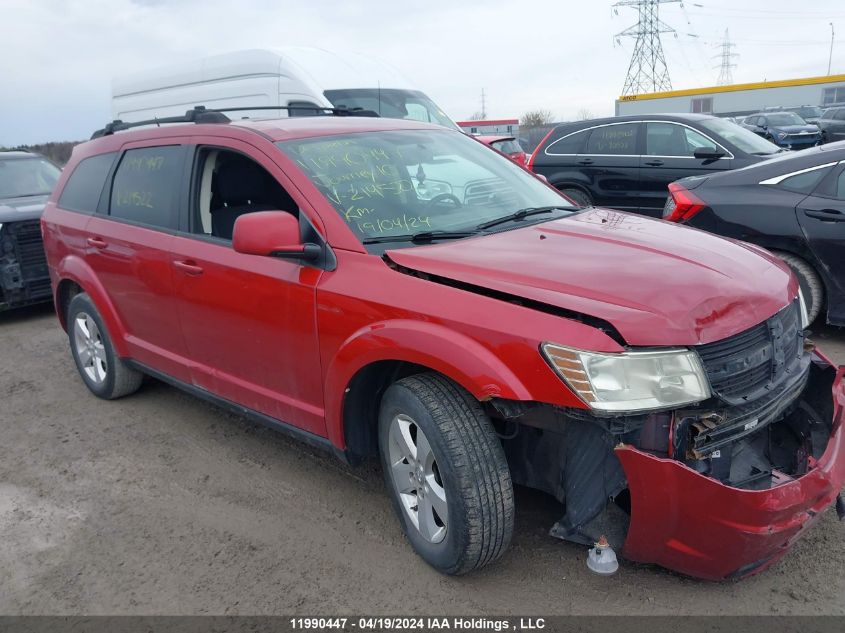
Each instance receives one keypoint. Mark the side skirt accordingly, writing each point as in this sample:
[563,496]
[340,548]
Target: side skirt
[285,428]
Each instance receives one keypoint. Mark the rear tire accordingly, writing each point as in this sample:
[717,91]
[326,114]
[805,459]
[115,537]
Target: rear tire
[439,450]
[809,281]
[101,369]
[579,197]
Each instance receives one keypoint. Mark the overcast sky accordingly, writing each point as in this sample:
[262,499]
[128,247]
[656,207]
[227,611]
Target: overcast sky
[57,57]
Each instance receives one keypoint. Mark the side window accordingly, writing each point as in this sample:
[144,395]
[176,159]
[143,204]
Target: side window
[620,139]
[666,139]
[840,115]
[696,140]
[230,185]
[806,182]
[304,108]
[83,189]
[569,144]
[146,186]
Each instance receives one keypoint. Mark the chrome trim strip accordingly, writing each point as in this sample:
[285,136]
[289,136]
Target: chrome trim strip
[728,157]
[776,180]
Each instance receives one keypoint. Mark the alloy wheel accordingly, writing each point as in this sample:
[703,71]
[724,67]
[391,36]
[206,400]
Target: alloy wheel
[416,477]
[89,347]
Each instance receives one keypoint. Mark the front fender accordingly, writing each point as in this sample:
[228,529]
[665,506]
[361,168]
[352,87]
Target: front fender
[475,367]
[75,269]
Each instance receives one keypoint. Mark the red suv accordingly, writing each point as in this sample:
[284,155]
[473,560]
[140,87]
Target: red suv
[393,288]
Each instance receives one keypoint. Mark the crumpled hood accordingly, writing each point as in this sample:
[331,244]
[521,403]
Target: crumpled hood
[658,283]
[25,208]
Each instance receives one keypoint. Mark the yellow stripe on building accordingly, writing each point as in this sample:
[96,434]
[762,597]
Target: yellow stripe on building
[760,85]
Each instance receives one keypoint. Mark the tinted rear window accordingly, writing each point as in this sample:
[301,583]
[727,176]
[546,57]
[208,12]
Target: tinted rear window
[620,139]
[83,188]
[806,182]
[146,186]
[570,143]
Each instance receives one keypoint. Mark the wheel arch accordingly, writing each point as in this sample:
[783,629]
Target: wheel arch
[375,357]
[76,276]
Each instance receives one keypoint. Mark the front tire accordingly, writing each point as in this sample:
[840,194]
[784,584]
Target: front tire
[446,473]
[101,369]
[808,279]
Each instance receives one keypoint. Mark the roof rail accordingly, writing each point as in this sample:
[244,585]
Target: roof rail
[201,114]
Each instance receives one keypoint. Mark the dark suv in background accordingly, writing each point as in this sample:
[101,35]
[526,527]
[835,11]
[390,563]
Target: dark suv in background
[627,162]
[26,181]
[832,124]
[786,129]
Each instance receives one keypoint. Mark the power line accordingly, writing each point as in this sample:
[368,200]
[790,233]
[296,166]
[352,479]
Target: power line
[726,68]
[647,71]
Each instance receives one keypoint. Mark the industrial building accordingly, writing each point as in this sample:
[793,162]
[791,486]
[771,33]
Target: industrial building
[738,99]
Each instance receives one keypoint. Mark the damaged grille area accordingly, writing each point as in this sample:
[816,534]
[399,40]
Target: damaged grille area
[24,277]
[757,362]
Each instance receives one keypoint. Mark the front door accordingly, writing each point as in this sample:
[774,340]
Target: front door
[249,322]
[822,219]
[669,155]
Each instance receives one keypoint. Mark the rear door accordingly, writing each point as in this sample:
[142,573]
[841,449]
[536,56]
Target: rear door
[669,156]
[822,219]
[611,165]
[128,247]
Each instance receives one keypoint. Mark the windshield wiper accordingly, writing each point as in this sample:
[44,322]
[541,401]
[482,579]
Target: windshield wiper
[519,215]
[424,236]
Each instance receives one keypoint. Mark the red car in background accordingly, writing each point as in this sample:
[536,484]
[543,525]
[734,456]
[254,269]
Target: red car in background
[508,145]
[389,288]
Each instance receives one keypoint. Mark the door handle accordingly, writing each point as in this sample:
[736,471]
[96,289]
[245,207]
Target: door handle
[188,267]
[586,161]
[654,163]
[826,215]
[97,242]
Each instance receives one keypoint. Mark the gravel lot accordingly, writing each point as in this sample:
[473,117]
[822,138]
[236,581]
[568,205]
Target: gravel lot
[162,504]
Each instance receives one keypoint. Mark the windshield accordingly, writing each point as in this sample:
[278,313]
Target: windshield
[409,181]
[785,118]
[746,140]
[809,112]
[20,177]
[391,103]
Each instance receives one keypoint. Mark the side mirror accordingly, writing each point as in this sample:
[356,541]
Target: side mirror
[543,178]
[271,233]
[708,153]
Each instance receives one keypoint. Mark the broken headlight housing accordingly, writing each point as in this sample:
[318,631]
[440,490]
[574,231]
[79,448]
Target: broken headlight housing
[631,381]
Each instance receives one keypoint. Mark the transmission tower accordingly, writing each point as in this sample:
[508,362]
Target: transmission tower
[647,71]
[725,69]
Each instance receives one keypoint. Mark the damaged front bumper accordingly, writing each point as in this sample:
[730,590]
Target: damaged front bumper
[694,524]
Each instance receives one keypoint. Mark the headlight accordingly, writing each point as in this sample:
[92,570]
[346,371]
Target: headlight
[805,319]
[631,381]
[782,135]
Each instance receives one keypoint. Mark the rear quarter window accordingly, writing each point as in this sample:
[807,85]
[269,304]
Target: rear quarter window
[83,189]
[146,186]
[806,182]
[569,143]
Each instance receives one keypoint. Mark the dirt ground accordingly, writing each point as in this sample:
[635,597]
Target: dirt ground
[162,504]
